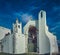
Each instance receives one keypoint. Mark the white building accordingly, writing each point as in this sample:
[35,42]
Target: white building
[46,41]
[36,37]
[13,43]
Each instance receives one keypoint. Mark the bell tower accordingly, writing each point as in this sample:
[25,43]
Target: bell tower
[18,39]
[17,27]
[42,21]
[43,39]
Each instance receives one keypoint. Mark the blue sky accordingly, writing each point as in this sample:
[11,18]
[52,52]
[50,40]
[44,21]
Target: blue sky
[25,9]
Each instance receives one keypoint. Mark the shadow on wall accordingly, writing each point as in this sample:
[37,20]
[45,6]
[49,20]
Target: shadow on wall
[32,39]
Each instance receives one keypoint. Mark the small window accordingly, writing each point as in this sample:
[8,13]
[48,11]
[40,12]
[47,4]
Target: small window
[18,26]
[41,14]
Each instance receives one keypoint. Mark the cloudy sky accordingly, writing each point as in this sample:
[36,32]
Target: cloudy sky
[25,9]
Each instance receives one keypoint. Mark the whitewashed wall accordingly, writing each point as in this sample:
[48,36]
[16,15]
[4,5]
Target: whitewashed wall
[44,44]
[47,41]
[3,31]
[26,28]
[19,44]
[7,43]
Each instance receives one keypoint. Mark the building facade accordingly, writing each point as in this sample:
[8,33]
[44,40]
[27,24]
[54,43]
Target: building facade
[46,41]
[35,38]
[14,43]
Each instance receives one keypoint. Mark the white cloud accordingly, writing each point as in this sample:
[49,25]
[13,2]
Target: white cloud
[57,25]
[25,17]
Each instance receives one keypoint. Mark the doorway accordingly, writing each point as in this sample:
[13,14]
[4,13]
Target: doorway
[32,39]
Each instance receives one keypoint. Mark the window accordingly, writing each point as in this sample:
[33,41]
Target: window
[18,26]
[41,14]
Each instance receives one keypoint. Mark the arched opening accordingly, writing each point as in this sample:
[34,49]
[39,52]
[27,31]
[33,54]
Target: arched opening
[32,39]
[41,14]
